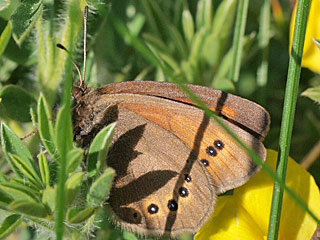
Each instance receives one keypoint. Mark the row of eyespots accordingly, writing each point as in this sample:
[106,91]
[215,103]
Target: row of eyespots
[172,204]
[211,151]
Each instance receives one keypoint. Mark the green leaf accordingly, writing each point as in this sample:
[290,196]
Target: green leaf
[74,159]
[155,42]
[78,215]
[210,50]
[64,134]
[204,14]
[136,24]
[312,93]
[33,209]
[4,38]
[46,131]
[4,199]
[26,170]
[156,19]
[17,103]
[223,84]
[188,26]
[100,189]
[134,41]
[9,224]
[49,197]
[73,186]
[26,183]
[12,144]
[24,18]
[99,149]
[3,178]
[44,169]
[196,46]
[177,40]
[18,191]
[7,7]
[224,18]
[166,58]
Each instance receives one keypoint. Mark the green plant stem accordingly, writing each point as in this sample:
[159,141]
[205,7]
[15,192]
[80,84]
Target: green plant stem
[263,39]
[288,113]
[240,26]
[63,126]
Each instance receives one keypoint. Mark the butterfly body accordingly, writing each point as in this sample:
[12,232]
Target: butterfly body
[171,160]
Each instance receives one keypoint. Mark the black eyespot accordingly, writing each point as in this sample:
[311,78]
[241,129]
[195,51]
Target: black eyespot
[218,144]
[211,151]
[135,215]
[173,205]
[183,192]
[152,209]
[187,177]
[205,162]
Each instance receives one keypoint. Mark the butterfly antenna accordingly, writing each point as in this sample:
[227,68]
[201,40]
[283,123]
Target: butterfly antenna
[85,20]
[81,78]
[73,62]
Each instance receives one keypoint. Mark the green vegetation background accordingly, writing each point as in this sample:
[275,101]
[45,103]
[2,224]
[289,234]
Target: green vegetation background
[191,39]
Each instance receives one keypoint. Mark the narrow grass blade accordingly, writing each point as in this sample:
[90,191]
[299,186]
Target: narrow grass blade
[240,25]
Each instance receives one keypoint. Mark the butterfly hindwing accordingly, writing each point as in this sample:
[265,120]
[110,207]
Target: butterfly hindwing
[160,186]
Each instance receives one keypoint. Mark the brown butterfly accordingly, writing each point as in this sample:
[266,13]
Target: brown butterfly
[171,160]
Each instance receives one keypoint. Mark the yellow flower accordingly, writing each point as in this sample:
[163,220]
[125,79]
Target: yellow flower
[311,53]
[245,214]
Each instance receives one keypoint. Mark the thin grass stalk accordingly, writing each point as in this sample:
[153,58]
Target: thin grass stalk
[263,41]
[240,25]
[288,113]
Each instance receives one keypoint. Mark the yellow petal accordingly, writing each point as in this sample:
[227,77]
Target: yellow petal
[232,222]
[246,213]
[311,53]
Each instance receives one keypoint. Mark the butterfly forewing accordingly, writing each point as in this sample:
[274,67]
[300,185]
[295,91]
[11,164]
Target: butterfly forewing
[246,114]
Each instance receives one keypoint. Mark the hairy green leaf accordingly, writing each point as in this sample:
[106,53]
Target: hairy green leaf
[100,189]
[24,18]
[78,215]
[99,149]
[74,159]
[17,103]
[12,144]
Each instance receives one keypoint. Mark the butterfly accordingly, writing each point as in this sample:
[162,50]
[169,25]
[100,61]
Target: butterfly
[171,160]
